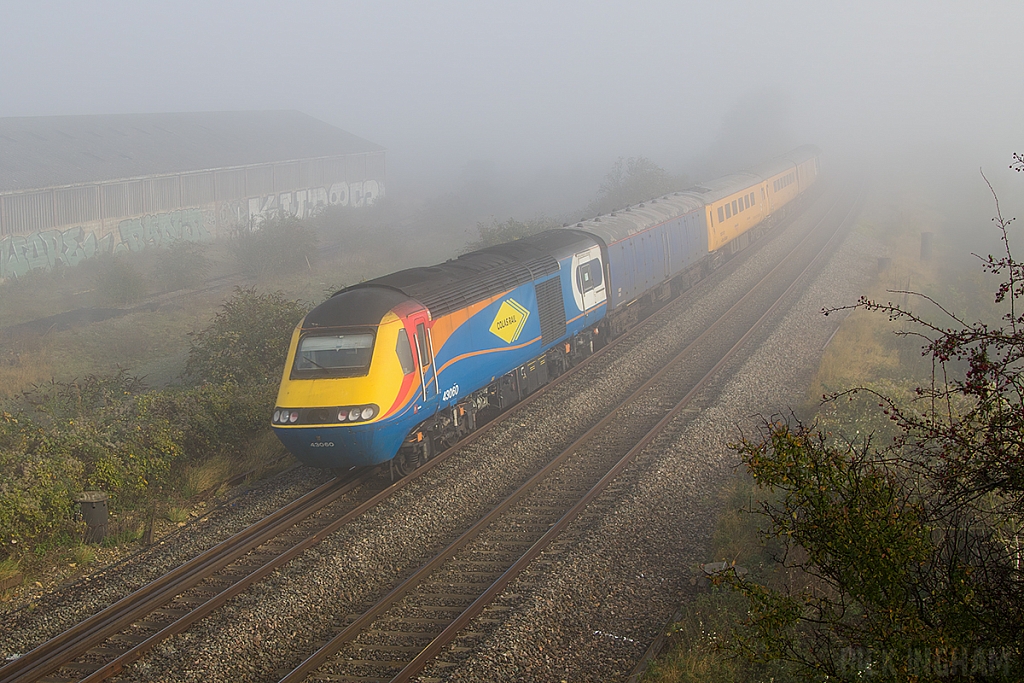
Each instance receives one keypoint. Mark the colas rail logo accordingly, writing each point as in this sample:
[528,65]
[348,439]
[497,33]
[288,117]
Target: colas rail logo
[509,321]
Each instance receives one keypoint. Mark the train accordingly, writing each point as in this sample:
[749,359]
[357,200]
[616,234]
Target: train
[399,368]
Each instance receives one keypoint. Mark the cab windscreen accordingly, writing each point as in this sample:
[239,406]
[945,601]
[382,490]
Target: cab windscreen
[336,355]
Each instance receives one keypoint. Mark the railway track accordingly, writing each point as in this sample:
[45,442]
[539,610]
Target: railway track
[396,638]
[102,645]
[99,647]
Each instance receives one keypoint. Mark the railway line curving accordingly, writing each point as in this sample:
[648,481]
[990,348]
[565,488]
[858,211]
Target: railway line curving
[646,407]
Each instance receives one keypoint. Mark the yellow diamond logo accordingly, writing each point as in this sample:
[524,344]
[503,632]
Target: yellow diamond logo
[509,322]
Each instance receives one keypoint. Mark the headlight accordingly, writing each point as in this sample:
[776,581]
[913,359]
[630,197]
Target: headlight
[367,413]
[277,416]
[294,417]
[353,414]
[342,414]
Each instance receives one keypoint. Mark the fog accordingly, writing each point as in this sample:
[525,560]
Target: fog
[532,101]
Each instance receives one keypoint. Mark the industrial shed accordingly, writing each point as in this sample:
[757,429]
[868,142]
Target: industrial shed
[75,186]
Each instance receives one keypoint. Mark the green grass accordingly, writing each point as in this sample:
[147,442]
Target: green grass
[177,514]
[83,555]
[9,567]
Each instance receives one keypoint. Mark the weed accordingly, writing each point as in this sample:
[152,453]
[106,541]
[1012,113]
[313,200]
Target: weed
[177,514]
[83,555]
[9,567]
[125,527]
[205,476]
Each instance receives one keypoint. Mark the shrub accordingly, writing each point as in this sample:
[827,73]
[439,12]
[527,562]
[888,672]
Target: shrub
[108,433]
[184,266]
[117,281]
[499,233]
[278,245]
[247,341]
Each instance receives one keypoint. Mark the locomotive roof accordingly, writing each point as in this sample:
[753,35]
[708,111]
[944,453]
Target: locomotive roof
[357,307]
[478,275]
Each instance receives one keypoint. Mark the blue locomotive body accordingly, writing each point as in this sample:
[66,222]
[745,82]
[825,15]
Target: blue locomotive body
[404,365]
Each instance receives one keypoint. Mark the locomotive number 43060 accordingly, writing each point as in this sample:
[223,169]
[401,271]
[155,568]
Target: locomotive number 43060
[451,393]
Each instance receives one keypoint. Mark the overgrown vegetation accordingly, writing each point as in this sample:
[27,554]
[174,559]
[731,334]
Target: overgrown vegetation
[703,643]
[247,341]
[279,243]
[909,543]
[889,526]
[117,280]
[141,446]
[185,265]
[507,231]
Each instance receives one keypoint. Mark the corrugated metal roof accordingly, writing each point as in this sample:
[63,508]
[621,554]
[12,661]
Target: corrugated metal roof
[50,151]
[633,219]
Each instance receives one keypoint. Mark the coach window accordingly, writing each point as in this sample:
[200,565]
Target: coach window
[721,215]
[404,352]
[728,211]
[734,211]
[421,342]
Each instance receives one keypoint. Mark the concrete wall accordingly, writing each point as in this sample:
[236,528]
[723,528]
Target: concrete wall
[41,228]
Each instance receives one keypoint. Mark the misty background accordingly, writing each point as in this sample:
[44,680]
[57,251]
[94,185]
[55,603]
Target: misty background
[525,105]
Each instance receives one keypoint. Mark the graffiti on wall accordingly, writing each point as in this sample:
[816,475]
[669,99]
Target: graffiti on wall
[299,203]
[47,248]
[159,230]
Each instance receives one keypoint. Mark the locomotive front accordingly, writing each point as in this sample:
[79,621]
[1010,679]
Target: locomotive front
[349,379]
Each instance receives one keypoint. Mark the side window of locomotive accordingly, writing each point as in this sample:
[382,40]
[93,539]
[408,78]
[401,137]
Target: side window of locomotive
[404,352]
[721,214]
[421,339]
[584,277]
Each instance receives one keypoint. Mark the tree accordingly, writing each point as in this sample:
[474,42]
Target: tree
[902,558]
[631,181]
[247,341]
[507,231]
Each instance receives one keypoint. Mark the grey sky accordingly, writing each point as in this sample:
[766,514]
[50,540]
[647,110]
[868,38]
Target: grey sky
[533,85]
